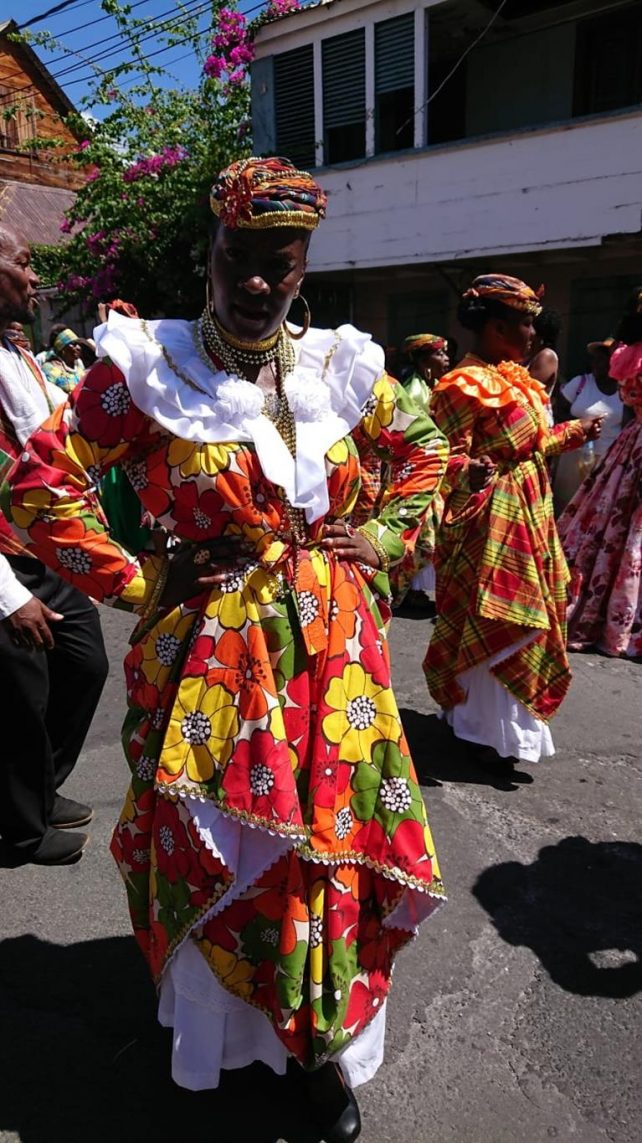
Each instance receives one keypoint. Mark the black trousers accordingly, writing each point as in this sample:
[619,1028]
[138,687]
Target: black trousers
[47,702]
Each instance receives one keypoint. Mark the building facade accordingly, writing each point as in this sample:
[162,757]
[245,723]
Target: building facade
[453,140]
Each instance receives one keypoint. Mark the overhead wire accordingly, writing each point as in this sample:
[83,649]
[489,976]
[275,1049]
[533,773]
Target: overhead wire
[54,11]
[195,13]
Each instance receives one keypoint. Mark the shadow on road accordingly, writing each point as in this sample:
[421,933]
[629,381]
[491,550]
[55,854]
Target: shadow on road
[84,1058]
[440,757]
[579,908]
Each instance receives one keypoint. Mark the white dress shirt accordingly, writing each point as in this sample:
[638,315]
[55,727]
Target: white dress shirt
[26,406]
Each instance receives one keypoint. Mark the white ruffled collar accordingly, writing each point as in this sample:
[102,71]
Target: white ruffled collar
[332,380]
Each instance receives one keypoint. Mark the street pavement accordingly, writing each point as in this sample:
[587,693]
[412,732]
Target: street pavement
[515,1017]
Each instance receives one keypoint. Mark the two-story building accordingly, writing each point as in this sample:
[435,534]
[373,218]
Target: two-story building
[458,136]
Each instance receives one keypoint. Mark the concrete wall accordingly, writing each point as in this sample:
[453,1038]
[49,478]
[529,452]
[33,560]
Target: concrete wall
[521,82]
[561,187]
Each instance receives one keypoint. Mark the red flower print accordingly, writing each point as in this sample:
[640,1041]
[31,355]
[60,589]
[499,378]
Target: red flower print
[375,656]
[258,779]
[296,713]
[104,409]
[247,672]
[365,1001]
[149,476]
[198,513]
[172,845]
[329,779]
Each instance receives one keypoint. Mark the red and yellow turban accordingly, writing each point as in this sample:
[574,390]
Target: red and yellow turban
[261,193]
[509,291]
[424,341]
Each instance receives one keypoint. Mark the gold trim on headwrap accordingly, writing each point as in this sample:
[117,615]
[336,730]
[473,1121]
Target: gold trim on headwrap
[418,341]
[258,194]
[508,291]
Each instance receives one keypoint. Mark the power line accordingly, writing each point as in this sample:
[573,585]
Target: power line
[115,36]
[32,87]
[54,11]
[455,67]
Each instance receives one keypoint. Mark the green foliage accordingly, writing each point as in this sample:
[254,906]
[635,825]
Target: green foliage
[139,226]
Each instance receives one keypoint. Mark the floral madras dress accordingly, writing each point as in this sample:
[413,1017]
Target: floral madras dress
[501,573]
[265,703]
[601,531]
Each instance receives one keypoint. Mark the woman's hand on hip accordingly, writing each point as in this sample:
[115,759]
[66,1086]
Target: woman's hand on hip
[348,543]
[199,566]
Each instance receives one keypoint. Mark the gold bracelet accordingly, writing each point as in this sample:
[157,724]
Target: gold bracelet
[152,604]
[384,558]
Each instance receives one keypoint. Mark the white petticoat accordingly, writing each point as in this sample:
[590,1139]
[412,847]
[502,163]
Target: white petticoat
[214,1029]
[425,580]
[492,716]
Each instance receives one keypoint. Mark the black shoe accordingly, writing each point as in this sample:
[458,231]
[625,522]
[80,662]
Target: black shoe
[335,1107]
[67,814]
[58,849]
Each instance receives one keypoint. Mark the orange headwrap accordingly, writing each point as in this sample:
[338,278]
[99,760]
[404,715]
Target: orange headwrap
[260,193]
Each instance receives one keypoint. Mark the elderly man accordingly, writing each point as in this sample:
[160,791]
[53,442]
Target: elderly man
[52,658]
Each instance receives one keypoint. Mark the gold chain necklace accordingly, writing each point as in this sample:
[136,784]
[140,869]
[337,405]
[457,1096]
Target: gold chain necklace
[235,354]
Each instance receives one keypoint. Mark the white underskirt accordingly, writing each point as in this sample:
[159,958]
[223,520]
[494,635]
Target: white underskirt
[491,716]
[425,580]
[214,1029]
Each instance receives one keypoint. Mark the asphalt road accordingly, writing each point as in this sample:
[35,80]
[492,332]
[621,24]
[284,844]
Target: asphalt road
[515,1016]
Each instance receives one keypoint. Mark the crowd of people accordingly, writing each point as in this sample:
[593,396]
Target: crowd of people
[258,495]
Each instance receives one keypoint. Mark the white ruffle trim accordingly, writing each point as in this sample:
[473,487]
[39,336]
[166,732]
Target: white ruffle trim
[492,716]
[344,361]
[214,1029]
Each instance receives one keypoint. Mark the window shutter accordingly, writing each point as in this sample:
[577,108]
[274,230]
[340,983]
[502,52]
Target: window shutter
[395,54]
[344,79]
[294,105]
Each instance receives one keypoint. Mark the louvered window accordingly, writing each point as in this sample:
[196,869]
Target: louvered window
[344,97]
[394,83]
[294,106]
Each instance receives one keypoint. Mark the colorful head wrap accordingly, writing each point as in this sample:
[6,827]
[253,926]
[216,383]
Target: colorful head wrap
[509,291]
[261,193]
[419,341]
[65,337]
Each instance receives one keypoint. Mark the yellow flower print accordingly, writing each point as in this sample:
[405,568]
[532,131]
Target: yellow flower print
[362,714]
[234,973]
[339,452]
[201,731]
[192,458]
[380,409]
[163,645]
[24,514]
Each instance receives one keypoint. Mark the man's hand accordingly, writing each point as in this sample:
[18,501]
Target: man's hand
[592,427]
[28,627]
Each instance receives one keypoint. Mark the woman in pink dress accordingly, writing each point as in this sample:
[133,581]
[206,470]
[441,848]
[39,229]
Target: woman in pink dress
[601,529]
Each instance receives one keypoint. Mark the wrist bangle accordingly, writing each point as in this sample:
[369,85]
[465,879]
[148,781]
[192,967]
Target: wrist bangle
[154,599]
[384,558]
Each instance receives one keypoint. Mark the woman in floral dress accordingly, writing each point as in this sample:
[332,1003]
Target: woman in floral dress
[497,662]
[273,842]
[601,530]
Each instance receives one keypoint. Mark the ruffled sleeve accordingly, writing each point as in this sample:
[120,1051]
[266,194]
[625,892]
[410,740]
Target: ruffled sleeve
[53,499]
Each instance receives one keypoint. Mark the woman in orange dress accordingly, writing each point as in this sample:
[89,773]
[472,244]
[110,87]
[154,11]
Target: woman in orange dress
[497,662]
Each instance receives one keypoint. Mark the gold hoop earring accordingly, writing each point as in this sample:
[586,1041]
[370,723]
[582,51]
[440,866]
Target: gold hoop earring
[208,300]
[307,318]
